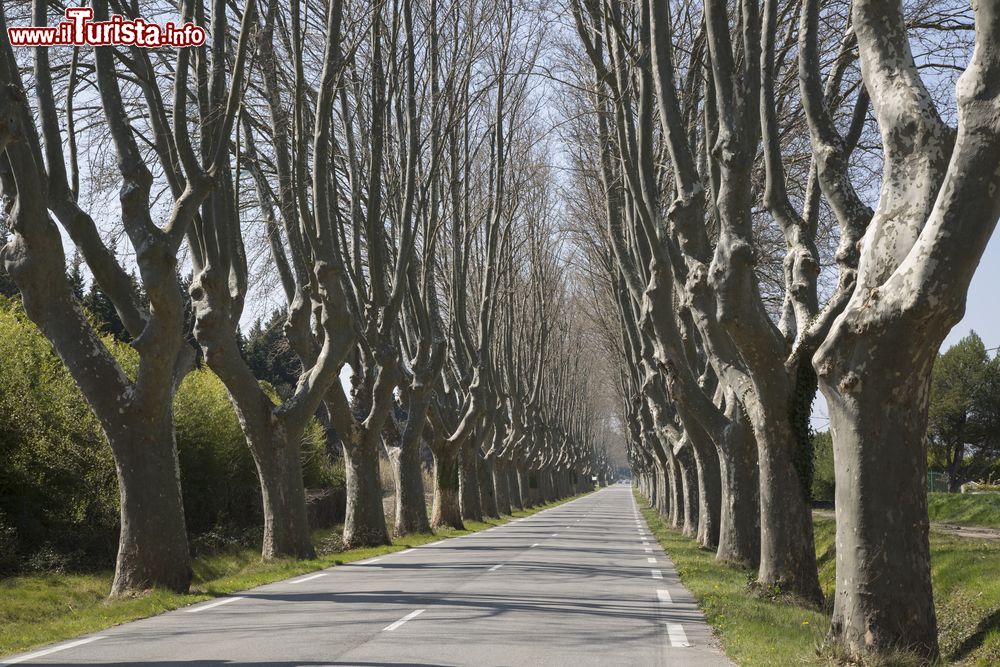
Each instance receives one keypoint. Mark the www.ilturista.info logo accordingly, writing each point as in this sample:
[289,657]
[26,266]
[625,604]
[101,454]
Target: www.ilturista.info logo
[79,29]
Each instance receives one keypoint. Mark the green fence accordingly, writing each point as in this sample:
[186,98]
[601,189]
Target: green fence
[937,481]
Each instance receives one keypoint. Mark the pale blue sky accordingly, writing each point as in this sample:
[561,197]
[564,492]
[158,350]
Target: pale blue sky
[982,315]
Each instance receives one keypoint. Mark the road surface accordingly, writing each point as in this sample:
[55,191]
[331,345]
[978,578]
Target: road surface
[580,584]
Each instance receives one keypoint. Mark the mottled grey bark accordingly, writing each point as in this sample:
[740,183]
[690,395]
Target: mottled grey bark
[364,523]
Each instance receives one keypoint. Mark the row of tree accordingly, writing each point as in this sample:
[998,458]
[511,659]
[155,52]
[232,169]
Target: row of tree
[387,157]
[721,149]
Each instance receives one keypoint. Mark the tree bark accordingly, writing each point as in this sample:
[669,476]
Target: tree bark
[152,545]
[739,520]
[446,509]
[468,481]
[364,524]
[501,480]
[487,492]
[411,506]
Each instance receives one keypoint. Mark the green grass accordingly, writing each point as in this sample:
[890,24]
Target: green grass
[965,509]
[42,608]
[757,631]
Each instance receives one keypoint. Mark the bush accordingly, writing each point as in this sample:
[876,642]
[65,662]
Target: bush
[58,485]
[823,476]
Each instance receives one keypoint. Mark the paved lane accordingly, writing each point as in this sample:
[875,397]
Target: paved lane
[580,584]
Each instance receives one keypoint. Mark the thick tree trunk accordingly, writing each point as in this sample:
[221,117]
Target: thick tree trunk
[152,545]
[884,599]
[407,475]
[514,485]
[501,482]
[675,488]
[787,549]
[487,492]
[286,521]
[468,482]
[739,520]
[446,510]
[364,525]
[706,461]
[689,489]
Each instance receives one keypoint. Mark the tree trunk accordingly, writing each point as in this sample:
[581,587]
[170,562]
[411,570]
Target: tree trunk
[364,525]
[501,480]
[468,482]
[487,492]
[739,520]
[286,520]
[787,549]
[689,489]
[411,506]
[446,510]
[706,461]
[883,596]
[514,486]
[152,545]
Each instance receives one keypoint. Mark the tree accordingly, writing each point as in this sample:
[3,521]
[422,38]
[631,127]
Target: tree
[963,432]
[937,209]
[134,411]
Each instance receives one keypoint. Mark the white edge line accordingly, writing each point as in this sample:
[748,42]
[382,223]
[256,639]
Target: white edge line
[370,561]
[412,614]
[309,578]
[657,574]
[48,651]
[663,595]
[496,567]
[219,603]
[676,633]
[533,545]
[650,560]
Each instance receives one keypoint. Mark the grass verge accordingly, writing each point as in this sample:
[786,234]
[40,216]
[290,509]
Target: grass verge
[755,631]
[43,608]
[965,509]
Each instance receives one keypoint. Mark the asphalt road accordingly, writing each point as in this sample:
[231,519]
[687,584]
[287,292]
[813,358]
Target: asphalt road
[579,584]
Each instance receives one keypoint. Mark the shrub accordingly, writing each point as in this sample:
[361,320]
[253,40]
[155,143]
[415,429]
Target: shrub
[823,476]
[58,485]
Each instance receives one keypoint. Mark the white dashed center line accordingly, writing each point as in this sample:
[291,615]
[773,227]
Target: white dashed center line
[676,633]
[219,603]
[411,615]
[495,567]
[650,560]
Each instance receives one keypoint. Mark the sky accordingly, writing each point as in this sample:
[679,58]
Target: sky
[982,315]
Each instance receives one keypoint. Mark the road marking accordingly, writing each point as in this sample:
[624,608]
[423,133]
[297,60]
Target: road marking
[645,542]
[533,545]
[649,550]
[309,578]
[676,633]
[49,651]
[555,534]
[193,610]
[495,567]
[411,615]
[657,574]
[650,560]
[663,595]
[375,560]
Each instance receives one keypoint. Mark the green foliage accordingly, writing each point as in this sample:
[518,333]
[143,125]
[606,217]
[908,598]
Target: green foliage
[980,509]
[964,418]
[823,476]
[269,356]
[58,485]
